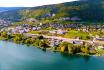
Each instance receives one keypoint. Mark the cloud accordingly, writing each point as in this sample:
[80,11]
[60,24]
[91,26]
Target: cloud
[29,3]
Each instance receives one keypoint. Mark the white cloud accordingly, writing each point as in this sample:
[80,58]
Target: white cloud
[29,3]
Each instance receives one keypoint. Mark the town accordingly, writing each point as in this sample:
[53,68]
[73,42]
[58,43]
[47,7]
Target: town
[56,33]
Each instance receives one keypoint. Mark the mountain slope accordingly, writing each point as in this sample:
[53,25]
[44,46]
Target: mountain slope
[2,9]
[87,10]
[10,13]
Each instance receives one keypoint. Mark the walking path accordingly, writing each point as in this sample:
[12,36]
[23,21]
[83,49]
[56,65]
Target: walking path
[65,39]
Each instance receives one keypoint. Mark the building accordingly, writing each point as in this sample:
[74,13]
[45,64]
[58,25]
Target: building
[59,31]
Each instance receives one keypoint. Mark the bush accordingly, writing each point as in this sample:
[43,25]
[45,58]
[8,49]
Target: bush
[4,34]
[40,37]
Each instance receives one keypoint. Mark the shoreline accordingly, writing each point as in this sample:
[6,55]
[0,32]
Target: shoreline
[57,51]
[50,48]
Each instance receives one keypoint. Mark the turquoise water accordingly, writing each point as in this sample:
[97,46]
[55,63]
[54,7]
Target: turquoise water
[21,57]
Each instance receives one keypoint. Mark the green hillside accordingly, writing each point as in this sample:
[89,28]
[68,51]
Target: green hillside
[86,10]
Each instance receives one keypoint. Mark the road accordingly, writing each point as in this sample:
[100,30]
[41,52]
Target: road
[65,39]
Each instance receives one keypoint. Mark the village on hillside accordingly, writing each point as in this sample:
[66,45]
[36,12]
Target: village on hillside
[56,33]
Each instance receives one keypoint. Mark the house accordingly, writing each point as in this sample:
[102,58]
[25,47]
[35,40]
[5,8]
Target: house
[53,31]
[59,31]
[38,28]
[10,28]
[21,31]
[31,20]
[34,28]
[40,24]
[65,18]
[53,14]
[75,18]
[100,39]
[100,47]
[54,43]
[77,42]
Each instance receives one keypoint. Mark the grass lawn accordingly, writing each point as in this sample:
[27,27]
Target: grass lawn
[100,33]
[74,33]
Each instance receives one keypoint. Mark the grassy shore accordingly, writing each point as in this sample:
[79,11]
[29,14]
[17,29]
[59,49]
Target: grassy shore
[44,44]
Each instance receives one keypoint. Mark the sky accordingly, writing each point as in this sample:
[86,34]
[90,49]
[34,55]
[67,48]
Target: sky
[29,3]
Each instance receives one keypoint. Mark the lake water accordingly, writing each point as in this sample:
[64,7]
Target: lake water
[21,57]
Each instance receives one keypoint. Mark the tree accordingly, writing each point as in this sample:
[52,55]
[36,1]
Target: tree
[17,39]
[75,49]
[64,47]
[40,37]
[4,34]
[85,50]
[43,44]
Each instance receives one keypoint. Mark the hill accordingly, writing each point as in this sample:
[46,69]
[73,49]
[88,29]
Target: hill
[85,10]
[10,13]
[2,9]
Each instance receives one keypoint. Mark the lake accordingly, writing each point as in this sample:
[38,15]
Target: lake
[21,57]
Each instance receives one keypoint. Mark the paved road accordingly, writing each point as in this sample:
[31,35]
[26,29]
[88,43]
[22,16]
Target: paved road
[66,39]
